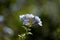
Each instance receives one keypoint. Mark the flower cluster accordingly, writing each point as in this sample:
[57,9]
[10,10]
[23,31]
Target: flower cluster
[29,19]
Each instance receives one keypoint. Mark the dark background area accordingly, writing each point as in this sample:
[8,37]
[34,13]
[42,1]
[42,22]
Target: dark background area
[47,10]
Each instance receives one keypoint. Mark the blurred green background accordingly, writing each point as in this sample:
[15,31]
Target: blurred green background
[47,10]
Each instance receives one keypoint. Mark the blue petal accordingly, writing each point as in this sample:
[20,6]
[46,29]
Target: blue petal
[40,23]
[37,18]
[26,22]
[22,17]
[29,16]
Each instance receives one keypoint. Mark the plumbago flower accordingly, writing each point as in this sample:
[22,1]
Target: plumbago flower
[29,20]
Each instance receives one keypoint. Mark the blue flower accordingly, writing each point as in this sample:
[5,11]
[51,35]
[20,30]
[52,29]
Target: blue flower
[8,30]
[26,22]
[26,19]
[40,23]
[29,16]
[38,20]
[22,17]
